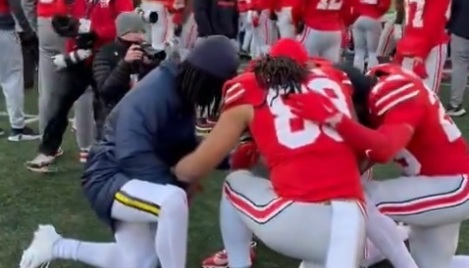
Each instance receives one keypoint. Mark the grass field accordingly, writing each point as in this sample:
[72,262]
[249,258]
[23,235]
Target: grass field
[28,199]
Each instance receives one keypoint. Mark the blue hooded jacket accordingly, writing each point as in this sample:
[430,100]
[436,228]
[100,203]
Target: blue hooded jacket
[146,134]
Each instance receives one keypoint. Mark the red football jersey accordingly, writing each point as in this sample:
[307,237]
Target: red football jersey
[307,162]
[326,15]
[437,146]
[425,26]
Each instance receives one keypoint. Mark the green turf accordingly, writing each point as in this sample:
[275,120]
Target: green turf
[28,199]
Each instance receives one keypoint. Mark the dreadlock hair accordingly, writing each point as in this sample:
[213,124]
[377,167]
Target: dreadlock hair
[281,74]
[199,89]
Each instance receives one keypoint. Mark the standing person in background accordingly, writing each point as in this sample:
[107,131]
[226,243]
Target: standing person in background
[324,27]
[367,31]
[91,25]
[260,15]
[458,27]
[11,70]
[168,17]
[116,63]
[215,17]
[423,45]
[50,82]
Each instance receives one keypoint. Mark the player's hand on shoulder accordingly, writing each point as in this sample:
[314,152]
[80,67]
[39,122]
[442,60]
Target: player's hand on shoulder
[312,106]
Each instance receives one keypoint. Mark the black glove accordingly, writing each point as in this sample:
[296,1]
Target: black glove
[85,40]
[65,26]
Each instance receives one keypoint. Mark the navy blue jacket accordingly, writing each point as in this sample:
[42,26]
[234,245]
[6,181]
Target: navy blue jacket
[144,136]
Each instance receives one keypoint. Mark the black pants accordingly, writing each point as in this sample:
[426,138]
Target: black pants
[79,78]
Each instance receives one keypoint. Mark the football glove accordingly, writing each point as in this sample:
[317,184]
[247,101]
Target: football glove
[315,107]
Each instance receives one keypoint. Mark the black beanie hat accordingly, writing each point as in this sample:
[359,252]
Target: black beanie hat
[215,55]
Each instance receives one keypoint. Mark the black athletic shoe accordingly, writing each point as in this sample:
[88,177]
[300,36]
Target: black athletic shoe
[23,134]
[455,111]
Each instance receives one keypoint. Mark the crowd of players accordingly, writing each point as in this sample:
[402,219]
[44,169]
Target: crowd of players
[299,109]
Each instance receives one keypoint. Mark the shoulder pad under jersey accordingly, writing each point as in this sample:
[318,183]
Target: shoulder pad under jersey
[390,92]
[235,91]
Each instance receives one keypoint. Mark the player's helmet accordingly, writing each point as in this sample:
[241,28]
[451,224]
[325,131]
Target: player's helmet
[362,85]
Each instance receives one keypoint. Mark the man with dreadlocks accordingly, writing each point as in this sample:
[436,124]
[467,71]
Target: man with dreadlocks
[128,178]
[281,211]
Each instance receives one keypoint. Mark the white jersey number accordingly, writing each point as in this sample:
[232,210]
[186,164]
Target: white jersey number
[329,5]
[308,134]
[417,20]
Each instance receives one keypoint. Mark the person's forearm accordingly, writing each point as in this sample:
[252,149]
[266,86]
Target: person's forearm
[379,145]
[18,13]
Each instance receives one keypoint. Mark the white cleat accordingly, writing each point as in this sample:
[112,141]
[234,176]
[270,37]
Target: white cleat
[39,252]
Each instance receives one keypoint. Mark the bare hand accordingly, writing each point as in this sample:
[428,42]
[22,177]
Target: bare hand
[133,54]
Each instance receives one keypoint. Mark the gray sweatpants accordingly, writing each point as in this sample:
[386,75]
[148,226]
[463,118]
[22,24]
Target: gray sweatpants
[11,76]
[50,82]
[325,44]
[460,65]
[433,207]
[366,34]
[249,206]
[84,120]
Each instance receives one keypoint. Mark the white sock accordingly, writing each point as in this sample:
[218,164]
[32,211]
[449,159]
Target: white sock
[460,261]
[95,254]
[171,233]
[383,232]
[236,236]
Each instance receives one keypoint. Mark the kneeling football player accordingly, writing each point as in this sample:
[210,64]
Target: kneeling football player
[281,211]
[408,124]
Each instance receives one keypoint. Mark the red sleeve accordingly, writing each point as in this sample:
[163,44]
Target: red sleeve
[107,31]
[379,145]
[236,91]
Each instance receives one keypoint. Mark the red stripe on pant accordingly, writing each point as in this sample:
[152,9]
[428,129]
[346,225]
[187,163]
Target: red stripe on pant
[428,203]
[258,213]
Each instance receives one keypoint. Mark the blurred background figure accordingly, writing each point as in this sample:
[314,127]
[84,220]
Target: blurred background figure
[367,31]
[87,27]
[459,29]
[11,70]
[162,17]
[217,18]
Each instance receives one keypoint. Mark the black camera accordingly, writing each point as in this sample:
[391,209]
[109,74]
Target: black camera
[151,53]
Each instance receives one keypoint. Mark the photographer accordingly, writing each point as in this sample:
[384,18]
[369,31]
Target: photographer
[90,25]
[117,64]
